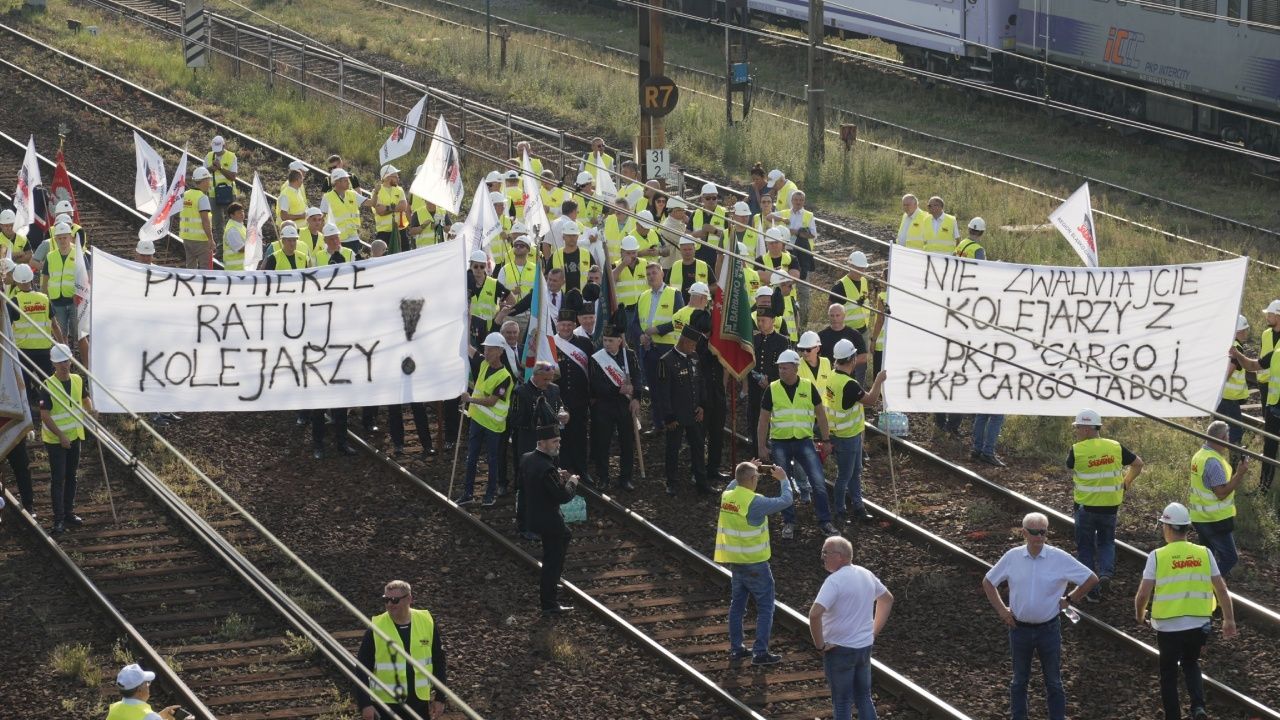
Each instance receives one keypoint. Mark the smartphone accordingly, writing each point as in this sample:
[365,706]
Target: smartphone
[182,714]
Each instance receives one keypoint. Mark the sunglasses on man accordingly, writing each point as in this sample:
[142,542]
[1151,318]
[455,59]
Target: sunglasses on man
[393,600]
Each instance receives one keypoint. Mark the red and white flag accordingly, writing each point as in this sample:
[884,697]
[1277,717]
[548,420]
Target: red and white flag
[258,214]
[149,185]
[24,195]
[401,140]
[1074,219]
[158,224]
[439,179]
[60,188]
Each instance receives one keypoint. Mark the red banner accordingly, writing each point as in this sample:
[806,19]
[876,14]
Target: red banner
[60,188]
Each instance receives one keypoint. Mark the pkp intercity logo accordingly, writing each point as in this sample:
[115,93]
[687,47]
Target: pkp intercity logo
[1122,47]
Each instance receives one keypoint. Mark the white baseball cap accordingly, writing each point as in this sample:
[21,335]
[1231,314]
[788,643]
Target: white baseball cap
[808,340]
[644,217]
[337,174]
[741,209]
[297,165]
[23,273]
[630,243]
[677,204]
[1273,308]
[63,206]
[764,291]
[584,178]
[774,175]
[329,229]
[778,278]
[479,256]
[60,353]
[700,288]
[497,197]
[789,356]
[313,211]
[1089,418]
[218,143]
[978,224]
[7,217]
[1175,514]
[1242,323]
[289,230]
[200,173]
[686,240]
[61,229]
[710,189]
[146,247]
[777,234]
[858,259]
[493,177]
[844,349]
[132,676]
[494,339]
[388,170]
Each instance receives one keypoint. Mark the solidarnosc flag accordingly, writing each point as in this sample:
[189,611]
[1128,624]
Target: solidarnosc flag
[150,182]
[157,225]
[24,200]
[258,214]
[439,179]
[1074,219]
[401,140]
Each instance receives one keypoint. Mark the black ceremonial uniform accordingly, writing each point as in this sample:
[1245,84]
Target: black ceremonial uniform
[715,405]
[610,413]
[531,408]
[768,348]
[681,393]
[544,493]
[575,392]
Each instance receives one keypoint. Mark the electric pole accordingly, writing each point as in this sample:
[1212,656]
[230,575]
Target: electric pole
[816,93]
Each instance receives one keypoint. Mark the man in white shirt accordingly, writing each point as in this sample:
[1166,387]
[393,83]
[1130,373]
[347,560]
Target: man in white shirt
[851,609]
[1037,574]
[134,685]
[910,208]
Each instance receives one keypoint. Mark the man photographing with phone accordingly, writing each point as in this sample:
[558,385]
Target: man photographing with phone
[134,685]
[742,543]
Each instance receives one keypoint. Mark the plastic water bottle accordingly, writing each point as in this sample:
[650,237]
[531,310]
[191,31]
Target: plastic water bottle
[1072,614]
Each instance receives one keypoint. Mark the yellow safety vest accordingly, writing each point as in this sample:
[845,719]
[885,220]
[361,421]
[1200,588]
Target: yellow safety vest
[553,199]
[663,314]
[1184,587]
[307,240]
[968,249]
[588,209]
[66,412]
[392,670]
[190,226]
[1098,472]
[485,303]
[781,264]
[121,710]
[14,245]
[944,240]
[282,260]
[845,422]
[783,198]
[700,273]
[855,312]
[590,165]
[752,279]
[430,222]
[345,212]
[819,378]
[631,282]
[648,240]
[233,259]
[884,328]
[914,226]
[388,197]
[62,273]
[682,317]
[515,199]
[1273,378]
[1268,341]
[738,541]
[487,384]
[792,418]
[1205,507]
[297,201]
[1237,387]
[789,315]
[33,319]
[320,257]
[715,217]
[614,232]
[219,178]
[518,281]
[806,219]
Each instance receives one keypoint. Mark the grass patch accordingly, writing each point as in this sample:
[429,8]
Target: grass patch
[235,627]
[560,648]
[298,646]
[983,512]
[75,661]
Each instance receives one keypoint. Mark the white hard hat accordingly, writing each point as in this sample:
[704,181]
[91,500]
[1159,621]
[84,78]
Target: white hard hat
[584,178]
[218,143]
[289,230]
[494,339]
[522,239]
[1242,323]
[7,217]
[297,165]
[775,175]
[23,273]
[337,174]
[700,288]
[131,677]
[313,211]
[789,356]
[456,228]
[686,240]
[1175,514]
[518,228]
[764,291]
[146,247]
[978,224]
[8,265]
[493,177]
[63,218]
[809,339]
[644,217]
[1089,418]
[497,197]
[710,189]
[329,229]
[570,227]
[200,173]
[62,229]
[630,243]
[63,206]
[777,278]
[844,349]
[777,234]
[677,204]
[742,209]
[388,170]
[513,175]
[60,353]
[1273,308]
[479,256]
[858,259]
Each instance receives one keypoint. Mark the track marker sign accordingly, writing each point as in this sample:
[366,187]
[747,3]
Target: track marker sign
[658,96]
[195,33]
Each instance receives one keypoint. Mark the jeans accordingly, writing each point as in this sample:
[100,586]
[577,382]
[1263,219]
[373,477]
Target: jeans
[492,442]
[1231,408]
[1181,648]
[756,580]
[63,463]
[1045,641]
[805,455]
[848,475]
[65,314]
[986,428]
[1218,538]
[1096,537]
[849,675]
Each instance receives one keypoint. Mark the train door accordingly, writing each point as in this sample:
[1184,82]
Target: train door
[987,26]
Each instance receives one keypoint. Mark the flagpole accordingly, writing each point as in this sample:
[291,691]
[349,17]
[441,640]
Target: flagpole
[733,422]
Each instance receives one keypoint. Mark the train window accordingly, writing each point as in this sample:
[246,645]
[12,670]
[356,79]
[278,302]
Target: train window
[1233,11]
[1266,12]
[1156,5]
[1199,9]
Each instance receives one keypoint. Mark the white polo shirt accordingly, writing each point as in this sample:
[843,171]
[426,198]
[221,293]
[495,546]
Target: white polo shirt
[1036,584]
[848,597]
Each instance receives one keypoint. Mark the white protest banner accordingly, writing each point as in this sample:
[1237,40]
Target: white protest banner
[158,224]
[401,140]
[150,181]
[24,201]
[1074,219]
[439,179]
[1160,326]
[375,332]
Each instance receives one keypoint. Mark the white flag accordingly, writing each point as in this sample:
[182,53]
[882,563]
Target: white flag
[535,214]
[82,296]
[606,190]
[158,224]
[258,215]
[401,140]
[482,224]
[15,410]
[24,195]
[149,185]
[1074,219]
[439,180]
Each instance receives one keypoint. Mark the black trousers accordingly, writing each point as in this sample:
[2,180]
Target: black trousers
[395,424]
[692,434]
[452,420]
[339,416]
[20,464]
[35,379]
[1270,448]
[754,395]
[1180,648]
[574,449]
[399,711]
[63,464]
[606,419]
[555,545]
